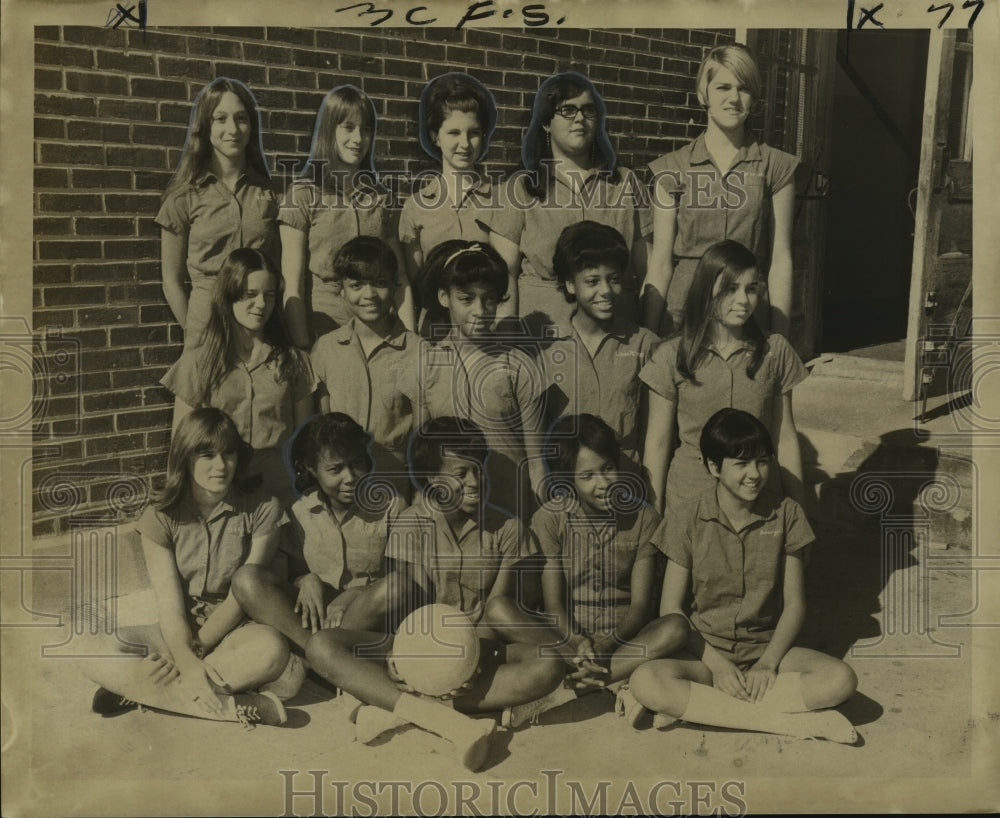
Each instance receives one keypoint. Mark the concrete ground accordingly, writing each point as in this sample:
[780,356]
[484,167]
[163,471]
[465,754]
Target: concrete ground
[893,603]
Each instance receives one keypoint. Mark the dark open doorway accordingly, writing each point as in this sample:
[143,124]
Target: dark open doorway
[875,155]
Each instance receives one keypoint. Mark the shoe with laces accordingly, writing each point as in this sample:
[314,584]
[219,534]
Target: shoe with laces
[111,704]
[627,706]
[259,708]
[514,717]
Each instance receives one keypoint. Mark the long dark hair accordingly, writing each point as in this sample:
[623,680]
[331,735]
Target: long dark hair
[725,260]
[197,156]
[202,431]
[218,351]
[536,152]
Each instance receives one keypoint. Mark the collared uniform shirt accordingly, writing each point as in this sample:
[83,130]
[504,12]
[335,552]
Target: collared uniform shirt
[737,576]
[261,405]
[330,219]
[428,217]
[606,385]
[535,227]
[208,551]
[597,555]
[459,567]
[722,382]
[346,553]
[498,388]
[712,205]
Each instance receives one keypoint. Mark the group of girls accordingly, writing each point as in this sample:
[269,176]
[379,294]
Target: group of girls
[561,254]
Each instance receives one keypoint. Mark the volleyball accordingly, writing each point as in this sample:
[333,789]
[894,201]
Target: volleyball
[435,650]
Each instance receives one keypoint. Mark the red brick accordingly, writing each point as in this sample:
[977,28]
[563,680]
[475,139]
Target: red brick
[52,227]
[95,131]
[244,72]
[115,444]
[136,157]
[290,121]
[64,106]
[67,296]
[158,439]
[276,98]
[103,179]
[425,51]
[324,59]
[139,202]
[296,36]
[138,377]
[130,63]
[132,293]
[156,314]
[528,45]
[55,154]
[146,419]
[160,355]
[47,33]
[128,109]
[174,67]
[85,427]
[106,316]
[291,78]
[46,54]
[104,83]
[150,464]
[159,395]
[339,40]
[158,89]
[156,41]
[51,319]
[68,249]
[50,128]
[178,113]
[481,37]
[132,249]
[148,270]
[268,54]
[144,134]
[382,86]
[216,47]
[103,272]
[48,79]
[104,227]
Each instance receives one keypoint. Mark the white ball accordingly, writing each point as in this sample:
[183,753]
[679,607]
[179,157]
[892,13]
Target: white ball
[435,650]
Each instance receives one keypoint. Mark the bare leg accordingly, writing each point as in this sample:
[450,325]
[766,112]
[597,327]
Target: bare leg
[661,637]
[263,598]
[511,675]
[681,687]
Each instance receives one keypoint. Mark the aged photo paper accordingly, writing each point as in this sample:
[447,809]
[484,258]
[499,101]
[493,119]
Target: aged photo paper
[891,107]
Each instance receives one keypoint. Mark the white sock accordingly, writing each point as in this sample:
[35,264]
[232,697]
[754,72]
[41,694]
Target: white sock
[785,695]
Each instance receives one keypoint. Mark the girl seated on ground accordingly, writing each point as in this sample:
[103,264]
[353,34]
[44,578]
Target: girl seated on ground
[202,651]
[336,539]
[738,551]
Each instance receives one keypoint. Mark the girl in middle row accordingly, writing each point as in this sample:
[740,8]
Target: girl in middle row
[336,198]
[247,367]
[472,377]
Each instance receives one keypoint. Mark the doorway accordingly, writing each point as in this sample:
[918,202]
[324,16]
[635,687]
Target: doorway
[874,164]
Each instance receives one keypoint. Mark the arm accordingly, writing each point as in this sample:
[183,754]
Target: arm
[404,300]
[788,452]
[779,279]
[660,268]
[760,677]
[413,261]
[659,445]
[304,409]
[293,270]
[511,254]
[228,614]
[173,267]
[575,648]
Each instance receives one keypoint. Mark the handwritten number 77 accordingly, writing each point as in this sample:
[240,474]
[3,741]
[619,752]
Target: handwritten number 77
[948,8]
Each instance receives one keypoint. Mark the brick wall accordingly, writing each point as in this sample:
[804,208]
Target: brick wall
[111,111]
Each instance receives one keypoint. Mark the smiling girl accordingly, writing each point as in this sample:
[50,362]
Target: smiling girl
[723,185]
[571,173]
[336,198]
[721,359]
[220,198]
[457,118]
[247,366]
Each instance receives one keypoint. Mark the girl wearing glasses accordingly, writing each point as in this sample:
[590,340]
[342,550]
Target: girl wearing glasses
[457,118]
[248,367]
[336,198]
[220,198]
[723,185]
[570,174]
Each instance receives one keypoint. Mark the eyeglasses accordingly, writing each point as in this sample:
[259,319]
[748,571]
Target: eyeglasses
[589,111]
